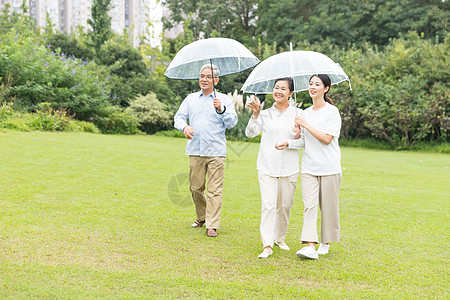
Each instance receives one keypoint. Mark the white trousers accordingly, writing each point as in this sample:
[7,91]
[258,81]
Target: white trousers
[323,192]
[277,197]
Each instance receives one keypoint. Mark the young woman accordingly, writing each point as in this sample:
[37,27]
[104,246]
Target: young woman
[278,171]
[321,168]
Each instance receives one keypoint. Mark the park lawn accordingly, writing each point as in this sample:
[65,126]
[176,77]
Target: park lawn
[103,216]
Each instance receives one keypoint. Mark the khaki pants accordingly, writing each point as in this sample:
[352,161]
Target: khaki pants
[323,192]
[208,208]
[277,197]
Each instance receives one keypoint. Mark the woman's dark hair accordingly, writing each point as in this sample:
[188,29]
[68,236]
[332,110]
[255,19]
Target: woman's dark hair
[289,80]
[327,83]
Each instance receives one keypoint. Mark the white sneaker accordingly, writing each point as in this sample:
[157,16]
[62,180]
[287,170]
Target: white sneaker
[283,246]
[265,254]
[323,249]
[307,252]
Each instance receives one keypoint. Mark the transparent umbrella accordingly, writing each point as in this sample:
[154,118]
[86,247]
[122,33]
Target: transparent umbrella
[228,55]
[299,65]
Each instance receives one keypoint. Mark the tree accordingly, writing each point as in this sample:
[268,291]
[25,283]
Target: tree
[124,60]
[231,18]
[279,22]
[340,22]
[347,22]
[68,45]
[100,23]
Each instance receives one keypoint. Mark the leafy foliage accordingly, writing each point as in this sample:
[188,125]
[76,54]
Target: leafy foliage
[400,79]
[115,120]
[45,118]
[124,60]
[151,114]
[38,75]
[100,24]
[232,18]
[68,44]
[342,22]
[400,95]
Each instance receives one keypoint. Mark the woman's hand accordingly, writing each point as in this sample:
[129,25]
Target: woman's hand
[281,146]
[254,105]
[319,135]
[296,131]
[301,122]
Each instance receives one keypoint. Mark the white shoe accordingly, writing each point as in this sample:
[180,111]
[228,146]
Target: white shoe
[265,254]
[283,246]
[323,249]
[307,252]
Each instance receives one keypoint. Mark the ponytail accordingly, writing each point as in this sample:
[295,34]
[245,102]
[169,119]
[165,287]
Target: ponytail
[327,99]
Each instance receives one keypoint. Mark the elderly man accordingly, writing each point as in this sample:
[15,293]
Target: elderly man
[209,114]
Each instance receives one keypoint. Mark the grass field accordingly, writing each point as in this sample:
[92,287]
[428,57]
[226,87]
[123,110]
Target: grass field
[86,216]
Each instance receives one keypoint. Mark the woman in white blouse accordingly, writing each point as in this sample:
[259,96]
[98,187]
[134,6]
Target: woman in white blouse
[321,168]
[278,171]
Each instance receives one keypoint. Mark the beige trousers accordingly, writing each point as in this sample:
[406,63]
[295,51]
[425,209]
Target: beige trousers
[207,208]
[277,197]
[323,192]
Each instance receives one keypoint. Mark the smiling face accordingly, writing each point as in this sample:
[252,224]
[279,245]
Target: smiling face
[281,92]
[316,88]
[206,82]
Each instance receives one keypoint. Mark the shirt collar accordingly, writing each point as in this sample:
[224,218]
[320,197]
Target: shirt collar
[203,95]
[289,107]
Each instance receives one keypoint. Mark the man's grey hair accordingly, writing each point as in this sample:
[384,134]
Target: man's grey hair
[215,69]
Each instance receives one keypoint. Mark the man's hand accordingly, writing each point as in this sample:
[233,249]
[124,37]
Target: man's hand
[188,132]
[217,105]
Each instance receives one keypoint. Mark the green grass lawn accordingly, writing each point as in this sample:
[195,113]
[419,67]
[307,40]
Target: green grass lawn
[99,216]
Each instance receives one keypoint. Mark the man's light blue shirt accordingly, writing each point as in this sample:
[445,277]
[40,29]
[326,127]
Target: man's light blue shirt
[209,126]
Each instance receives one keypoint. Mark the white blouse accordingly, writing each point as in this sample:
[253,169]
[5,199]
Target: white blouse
[276,127]
[319,159]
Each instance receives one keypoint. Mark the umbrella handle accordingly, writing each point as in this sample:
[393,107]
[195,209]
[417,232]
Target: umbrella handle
[214,87]
[221,113]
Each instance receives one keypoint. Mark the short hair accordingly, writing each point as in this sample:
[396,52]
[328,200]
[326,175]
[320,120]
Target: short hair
[215,69]
[289,80]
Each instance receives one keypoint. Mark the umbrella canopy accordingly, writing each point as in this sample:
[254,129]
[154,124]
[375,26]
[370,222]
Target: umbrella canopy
[299,65]
[228,55]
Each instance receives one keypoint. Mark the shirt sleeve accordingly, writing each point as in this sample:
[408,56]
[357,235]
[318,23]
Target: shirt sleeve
[254,127]
[230,118]
[334,123]
[180,118]
[297,143]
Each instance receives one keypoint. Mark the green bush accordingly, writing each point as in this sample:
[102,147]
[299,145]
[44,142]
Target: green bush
[151,114]
[68,44]
[400,95]
[82,126]
[45,118]
[38,75]
[19,124]
[115,120]
[6,111]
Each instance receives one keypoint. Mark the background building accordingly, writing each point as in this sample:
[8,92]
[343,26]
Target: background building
[141,19]
[14,5]
[175,30]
